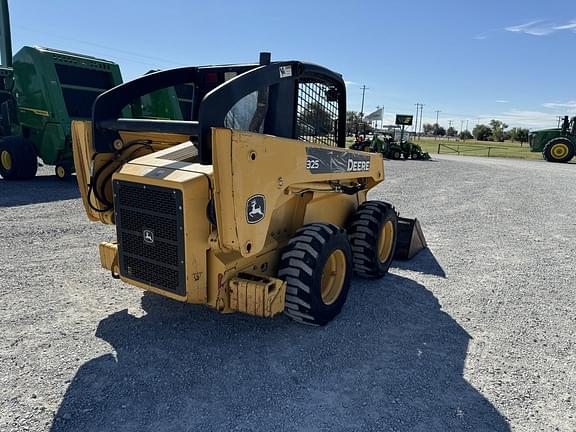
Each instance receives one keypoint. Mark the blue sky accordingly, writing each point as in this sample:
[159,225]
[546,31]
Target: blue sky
[511,60]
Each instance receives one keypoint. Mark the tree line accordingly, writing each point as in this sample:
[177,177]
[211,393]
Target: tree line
[495,131]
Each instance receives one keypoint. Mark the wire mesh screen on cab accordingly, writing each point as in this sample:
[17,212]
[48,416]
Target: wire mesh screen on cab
[317,113]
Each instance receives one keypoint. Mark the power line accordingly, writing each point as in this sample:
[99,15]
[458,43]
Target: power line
[159,59]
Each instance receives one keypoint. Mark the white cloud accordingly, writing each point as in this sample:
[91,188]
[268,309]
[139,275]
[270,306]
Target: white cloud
[541,28]
[502,101]
[349,83]
[570,26]
[560,105]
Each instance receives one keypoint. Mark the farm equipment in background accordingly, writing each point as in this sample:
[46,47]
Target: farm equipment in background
[43,91]
[254,205]
[391,149]
[556,145]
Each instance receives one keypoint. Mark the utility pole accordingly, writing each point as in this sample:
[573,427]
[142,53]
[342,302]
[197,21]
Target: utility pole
[466,124]
[364,88]
[419,106]
[437,125]
[461,125]
[421,110]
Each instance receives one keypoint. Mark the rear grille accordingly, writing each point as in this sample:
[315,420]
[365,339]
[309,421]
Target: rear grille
[150,229]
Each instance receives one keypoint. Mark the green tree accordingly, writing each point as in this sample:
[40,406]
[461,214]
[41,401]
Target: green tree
[482,132]
[498,127]
[352,121]
[438,130]
[519,134]
[428,129]
[465,135]
[316,120]
[451,132]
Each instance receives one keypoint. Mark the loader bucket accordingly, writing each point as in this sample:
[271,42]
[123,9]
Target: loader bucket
[410,239]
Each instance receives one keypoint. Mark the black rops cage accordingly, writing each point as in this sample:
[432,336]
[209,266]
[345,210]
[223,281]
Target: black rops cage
[286,99]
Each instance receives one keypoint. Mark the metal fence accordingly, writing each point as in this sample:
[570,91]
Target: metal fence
[472,148]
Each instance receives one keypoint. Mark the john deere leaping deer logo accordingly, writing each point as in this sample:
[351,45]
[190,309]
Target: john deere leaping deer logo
[255,209]
[148,236]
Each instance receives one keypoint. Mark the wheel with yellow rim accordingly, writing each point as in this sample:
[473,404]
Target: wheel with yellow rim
[317,268]
[558,150]
[373,233]
[17,158]
[63,171]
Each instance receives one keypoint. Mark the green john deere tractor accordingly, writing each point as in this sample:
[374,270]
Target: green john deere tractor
[392,149]
[556,145]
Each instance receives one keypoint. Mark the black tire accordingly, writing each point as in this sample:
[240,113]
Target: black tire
[396,155]
[415,155]
[372,220]
[551,154]
[63,171]
[17,159]
[302,266]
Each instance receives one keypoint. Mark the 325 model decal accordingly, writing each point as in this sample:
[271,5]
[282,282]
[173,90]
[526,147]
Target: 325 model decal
[322,161]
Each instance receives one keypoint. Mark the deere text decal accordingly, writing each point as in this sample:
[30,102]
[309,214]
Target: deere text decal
[322,161]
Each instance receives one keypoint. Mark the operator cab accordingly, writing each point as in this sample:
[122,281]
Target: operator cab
[285,99]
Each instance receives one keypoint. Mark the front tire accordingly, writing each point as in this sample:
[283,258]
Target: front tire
[558,150]
[317,267]
[373,234]
[17,158]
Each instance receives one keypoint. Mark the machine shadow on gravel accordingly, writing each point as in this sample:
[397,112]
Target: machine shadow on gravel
[40,189]
[393,360]
[425,262]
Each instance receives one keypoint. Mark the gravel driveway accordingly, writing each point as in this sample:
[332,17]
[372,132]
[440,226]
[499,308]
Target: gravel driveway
[476,334]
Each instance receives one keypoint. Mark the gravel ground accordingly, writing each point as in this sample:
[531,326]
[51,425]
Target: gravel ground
[476,334]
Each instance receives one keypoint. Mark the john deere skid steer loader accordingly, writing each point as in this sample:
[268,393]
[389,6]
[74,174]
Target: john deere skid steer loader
[254,205]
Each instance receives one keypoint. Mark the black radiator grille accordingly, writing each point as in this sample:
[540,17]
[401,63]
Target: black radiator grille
[149,225]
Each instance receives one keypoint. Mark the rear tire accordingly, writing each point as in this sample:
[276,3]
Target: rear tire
[373,234]
[558,150]
[17,158]
[317,267]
